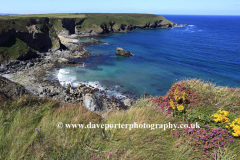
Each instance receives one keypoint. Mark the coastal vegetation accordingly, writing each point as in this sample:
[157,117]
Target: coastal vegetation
[12,49]
[29,128]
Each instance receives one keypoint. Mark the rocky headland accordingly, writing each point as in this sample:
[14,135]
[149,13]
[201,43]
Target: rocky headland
[30,47]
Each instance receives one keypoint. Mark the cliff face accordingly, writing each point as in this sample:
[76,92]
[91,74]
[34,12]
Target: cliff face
[34,32]
[23,35]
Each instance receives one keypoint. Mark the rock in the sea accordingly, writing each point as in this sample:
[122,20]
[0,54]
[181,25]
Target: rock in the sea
[122,52]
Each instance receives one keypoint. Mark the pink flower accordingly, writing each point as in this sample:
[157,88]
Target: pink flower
[36,129]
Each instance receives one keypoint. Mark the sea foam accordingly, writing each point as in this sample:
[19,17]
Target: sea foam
[64,78]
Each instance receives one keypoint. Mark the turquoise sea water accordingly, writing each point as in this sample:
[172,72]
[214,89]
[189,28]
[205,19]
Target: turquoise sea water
[208,48]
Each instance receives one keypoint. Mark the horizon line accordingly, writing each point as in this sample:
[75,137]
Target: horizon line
[123,13]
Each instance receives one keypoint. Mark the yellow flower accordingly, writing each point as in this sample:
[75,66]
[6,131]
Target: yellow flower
[184,95]
[236,134]
[176,92]
[180,107]
[235,126]
[176,96]
[236,131]
[226,113]
[172,104]
[227,120]
[221,116]
[237,120]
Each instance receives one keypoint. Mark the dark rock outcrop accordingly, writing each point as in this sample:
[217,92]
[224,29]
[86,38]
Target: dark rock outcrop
[28,55]
[11,90]
[122,52]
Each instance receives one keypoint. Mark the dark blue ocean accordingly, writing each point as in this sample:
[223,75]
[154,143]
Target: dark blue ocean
[208,48]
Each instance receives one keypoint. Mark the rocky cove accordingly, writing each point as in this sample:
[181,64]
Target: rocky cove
[33,75]
[51,44]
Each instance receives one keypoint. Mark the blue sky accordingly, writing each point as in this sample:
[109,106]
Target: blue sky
[182,7]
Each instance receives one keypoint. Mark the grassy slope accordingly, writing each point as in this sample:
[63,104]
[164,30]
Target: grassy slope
[12,49]
[20,140]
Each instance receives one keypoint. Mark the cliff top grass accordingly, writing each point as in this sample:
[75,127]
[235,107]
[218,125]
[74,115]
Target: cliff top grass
[79,15]
[60,15]
[29,128]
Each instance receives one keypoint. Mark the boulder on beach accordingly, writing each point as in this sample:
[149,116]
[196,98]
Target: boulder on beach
[122,52]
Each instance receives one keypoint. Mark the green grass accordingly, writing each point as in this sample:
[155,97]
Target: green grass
[60,15]
[53,34]
[8,24]
[19,139]
[95,20]
[58,25]
[12,49]
[48,142]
